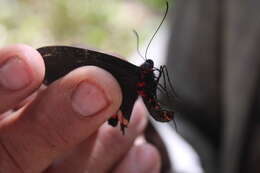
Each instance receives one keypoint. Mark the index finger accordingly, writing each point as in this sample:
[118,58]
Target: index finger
[21,73]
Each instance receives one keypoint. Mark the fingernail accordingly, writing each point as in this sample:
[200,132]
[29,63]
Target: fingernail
[14,74]
[89,99]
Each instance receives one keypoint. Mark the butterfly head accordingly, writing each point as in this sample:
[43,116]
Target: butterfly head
[148,65]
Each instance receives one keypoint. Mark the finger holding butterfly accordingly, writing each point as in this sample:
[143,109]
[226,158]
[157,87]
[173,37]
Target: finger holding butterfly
[61,116]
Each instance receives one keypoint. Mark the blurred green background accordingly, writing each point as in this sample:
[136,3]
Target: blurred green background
[103,24]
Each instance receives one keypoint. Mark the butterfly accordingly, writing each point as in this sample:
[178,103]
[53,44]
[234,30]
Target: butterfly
[134,80]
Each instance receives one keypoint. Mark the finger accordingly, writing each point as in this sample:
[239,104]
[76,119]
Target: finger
[59,118]
[112,144]
[76,160]
[21,72]
[144,158]
[29,99]
[108,148]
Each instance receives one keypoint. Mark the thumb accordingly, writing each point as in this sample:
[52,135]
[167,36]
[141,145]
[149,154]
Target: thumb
[63,115]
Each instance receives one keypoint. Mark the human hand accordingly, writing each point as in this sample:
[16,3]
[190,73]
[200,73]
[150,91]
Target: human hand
[59,128]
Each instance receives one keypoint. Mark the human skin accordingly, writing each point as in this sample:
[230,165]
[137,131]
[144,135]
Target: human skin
[61,127]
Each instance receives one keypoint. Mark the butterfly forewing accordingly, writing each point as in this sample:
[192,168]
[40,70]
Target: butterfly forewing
[60,60]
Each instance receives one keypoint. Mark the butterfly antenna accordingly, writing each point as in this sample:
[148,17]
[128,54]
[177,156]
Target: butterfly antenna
[156,31]
[138,45]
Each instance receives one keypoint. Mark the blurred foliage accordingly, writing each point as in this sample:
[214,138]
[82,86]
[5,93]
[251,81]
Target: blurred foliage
[102,24]
[157,4]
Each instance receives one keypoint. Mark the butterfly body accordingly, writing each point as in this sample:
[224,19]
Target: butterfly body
[147,88]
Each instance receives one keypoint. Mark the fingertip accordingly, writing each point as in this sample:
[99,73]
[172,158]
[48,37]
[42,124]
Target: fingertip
[21,73]
[147,156]
[29,56]
[33,58]
[141,158]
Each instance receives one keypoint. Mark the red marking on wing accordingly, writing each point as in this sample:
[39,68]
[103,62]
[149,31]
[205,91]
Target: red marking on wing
[114,116]
[167,115]
[157,107]
[141,84]
[142,93]
[122,119]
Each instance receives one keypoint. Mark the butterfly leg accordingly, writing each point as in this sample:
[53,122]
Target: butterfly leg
[118,117]
[166,73]
[123,121]
[168,116]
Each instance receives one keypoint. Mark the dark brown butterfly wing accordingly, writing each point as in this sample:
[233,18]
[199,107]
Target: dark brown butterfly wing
[60,60]
[160,97]
[157,112]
